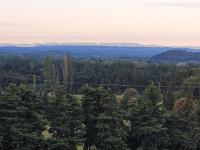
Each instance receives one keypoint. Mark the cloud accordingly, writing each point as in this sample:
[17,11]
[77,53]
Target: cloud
[183,4]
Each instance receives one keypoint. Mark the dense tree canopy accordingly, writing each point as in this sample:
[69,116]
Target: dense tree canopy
[126,104]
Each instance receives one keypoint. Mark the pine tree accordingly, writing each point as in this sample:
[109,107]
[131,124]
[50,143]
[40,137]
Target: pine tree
[103,118]
[21,118]
[90,112]
[59,120]
[108,126]
[129,98]
[77,128]
[148,131]
[65,115]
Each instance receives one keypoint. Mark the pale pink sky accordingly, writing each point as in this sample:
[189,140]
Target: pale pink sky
[164,22]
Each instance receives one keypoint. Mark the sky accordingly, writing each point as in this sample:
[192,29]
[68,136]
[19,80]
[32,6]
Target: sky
[162,22]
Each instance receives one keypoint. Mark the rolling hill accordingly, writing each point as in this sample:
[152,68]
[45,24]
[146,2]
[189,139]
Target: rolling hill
[177,56]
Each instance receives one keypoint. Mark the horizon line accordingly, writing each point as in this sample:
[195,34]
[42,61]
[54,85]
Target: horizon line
[129,44]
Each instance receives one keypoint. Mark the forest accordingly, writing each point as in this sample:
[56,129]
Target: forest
[54,103]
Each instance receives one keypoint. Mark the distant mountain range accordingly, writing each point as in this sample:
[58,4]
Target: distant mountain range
[102,50]
[177,56]
[119,44]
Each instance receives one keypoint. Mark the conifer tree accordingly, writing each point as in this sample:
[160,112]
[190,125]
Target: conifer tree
[103,118]
[21,118]
[77,127]
[109,123]
[66,117]
[148,131]
[90,112]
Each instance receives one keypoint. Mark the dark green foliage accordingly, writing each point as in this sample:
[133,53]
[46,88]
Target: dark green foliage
[122,72]
[194,82]
[90,113]
[169,99]
[182,137]
[102,117]
[49,73]
[66,121]
[44,114]
[148,130]
[95,71]
[19,70]
[21,119]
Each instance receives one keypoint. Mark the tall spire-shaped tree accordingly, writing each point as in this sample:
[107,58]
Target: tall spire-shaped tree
[66,119]
[67,72]
[102,117]
[148,130]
